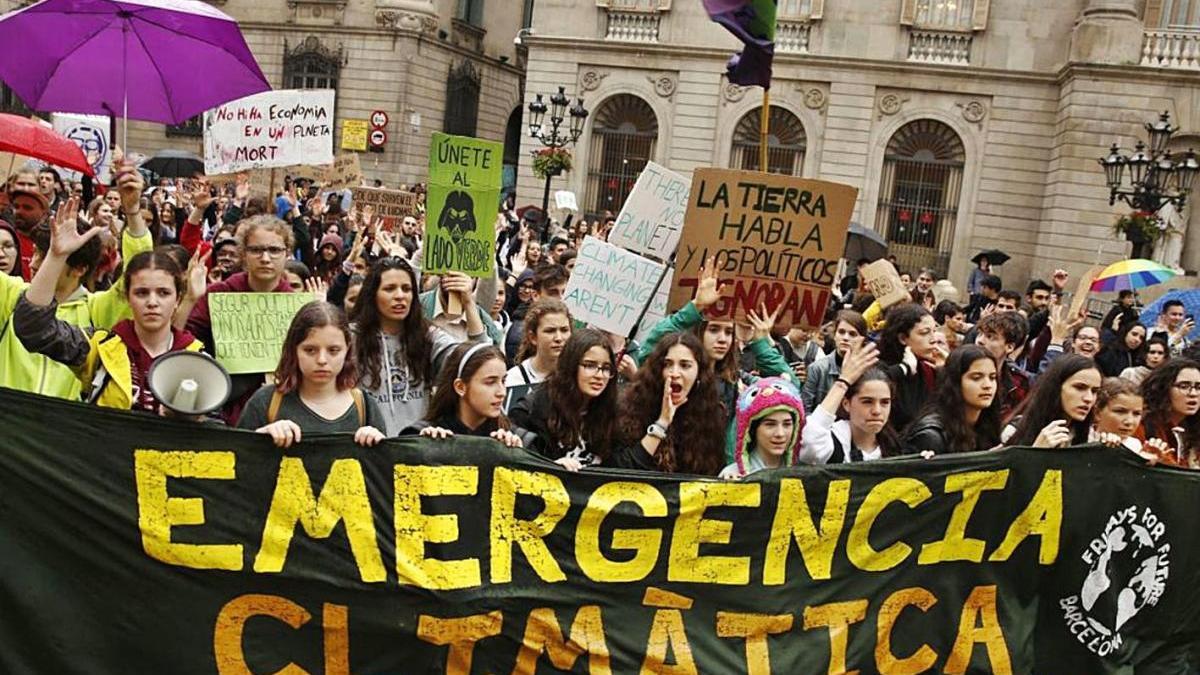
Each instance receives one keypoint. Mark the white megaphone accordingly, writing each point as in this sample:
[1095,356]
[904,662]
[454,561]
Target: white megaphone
[189,383]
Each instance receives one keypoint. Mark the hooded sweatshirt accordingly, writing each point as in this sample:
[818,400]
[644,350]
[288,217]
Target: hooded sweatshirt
[19,269]
[762,398]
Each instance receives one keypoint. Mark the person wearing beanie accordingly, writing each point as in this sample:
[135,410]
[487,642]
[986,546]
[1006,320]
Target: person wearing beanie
[770,417]
[329,257]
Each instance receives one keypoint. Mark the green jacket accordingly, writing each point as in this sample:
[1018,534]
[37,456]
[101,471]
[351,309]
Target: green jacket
[20,369]
[770,364]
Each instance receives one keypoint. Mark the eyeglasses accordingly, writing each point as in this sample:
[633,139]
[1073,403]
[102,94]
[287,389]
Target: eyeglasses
[273,251]
[593,368]
[1188,387]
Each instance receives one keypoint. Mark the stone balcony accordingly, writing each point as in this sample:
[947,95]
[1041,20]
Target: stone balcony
[792,36]
[1171,49]
[938,46]
[632,25]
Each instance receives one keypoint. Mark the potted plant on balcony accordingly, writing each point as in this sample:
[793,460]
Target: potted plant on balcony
[551,162]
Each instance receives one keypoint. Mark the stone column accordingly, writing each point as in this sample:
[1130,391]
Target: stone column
[1108,31]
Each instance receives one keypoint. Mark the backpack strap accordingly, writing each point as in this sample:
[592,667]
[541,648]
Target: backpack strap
[273,407]
[359,405]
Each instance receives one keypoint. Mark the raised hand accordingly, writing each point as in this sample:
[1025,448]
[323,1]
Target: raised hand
[200,196]
[130,185]
[318,288]
[708,289]
[763,322]
[859,361]
[457,282]
[65,237]
[1059,280]
[667,414]
[569,463]
[197,276]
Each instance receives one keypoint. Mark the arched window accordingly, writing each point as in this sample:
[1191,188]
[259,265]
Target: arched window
[462,100]
[785,142]
[311,65]
[622,141]
[919,192]
[512,150]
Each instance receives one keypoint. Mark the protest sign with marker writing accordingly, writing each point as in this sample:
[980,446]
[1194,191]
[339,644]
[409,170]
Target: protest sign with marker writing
[390,205]
[271,129]
[777,239]
[652,218]
[610,286]
[248,328]
[464,193]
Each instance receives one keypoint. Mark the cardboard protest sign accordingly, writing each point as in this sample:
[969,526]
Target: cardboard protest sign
[346,172]
[271,129]
[884,282]
[565,200]
[777,238]
[90,133]
[652,218]
[1079,299]
[610,286]
[464,195]
[658,308]
[390,205]
[248,328]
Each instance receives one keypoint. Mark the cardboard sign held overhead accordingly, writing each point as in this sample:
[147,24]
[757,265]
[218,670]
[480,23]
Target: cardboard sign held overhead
[1081,291]
[346,172]
[271,129]
[390,205]
[778,239]
[462,203]
[652,217]
[610,286]
[885,284]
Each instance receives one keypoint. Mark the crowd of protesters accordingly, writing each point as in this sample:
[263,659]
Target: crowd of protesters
[96,282]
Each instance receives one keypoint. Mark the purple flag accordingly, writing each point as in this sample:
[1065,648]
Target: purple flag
[753,23]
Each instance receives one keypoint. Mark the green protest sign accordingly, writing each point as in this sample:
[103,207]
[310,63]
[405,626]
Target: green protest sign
[248,328]
[462,202]
[135,544]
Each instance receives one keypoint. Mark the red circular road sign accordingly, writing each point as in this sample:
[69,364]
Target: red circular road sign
[378,137]
[379,119]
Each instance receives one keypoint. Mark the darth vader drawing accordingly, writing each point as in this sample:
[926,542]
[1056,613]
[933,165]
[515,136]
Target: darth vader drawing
[458,215]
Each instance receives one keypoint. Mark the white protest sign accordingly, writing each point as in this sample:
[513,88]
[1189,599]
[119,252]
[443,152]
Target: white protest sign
[271,129]
[90,133]
[565,200]
[658,308]
[652,217]
[610,286]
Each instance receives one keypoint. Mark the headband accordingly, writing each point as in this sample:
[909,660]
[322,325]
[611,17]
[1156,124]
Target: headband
[466,357]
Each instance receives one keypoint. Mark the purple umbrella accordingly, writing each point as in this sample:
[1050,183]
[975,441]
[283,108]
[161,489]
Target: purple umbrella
[155,60]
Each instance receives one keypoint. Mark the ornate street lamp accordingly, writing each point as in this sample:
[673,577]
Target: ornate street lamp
[554,136]
[1156,177]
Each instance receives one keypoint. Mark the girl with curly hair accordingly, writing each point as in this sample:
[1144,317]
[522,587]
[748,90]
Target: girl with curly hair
[1172,394]
[671,416]
[908,350]
[574,413]
[963,413]
[398,351]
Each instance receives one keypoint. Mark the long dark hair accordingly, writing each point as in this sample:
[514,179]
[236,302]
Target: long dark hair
[1043,405]
[889,442]
[569,408]
[1118,345]
[444,402]
[315,314]
[900,321]
[416,347]
[1156,390]
[696,440]
[947,403]
[730,366]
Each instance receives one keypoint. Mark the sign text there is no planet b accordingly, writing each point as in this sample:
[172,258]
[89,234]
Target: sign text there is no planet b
[777,238]
[652,218]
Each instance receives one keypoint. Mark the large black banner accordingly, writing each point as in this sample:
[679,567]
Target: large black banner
[138,545]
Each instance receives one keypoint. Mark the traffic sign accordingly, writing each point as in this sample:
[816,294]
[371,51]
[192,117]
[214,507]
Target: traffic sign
[379,119]
[378,137]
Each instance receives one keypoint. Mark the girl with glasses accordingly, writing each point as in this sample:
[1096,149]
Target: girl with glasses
[574,412]
[1172,395]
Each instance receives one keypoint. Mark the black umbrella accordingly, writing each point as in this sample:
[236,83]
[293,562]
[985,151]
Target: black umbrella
[175,164]
[994,256]
[863,242]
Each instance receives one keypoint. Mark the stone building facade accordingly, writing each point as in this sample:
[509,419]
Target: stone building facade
[429,64]
[965,124]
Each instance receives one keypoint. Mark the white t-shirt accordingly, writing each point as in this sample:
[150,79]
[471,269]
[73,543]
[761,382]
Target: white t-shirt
[523,373]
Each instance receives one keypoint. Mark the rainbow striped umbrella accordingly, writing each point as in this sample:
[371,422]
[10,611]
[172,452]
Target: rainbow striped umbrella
[1131,274]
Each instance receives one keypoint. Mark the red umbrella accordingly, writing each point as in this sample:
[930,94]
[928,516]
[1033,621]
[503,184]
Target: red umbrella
[23,136]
